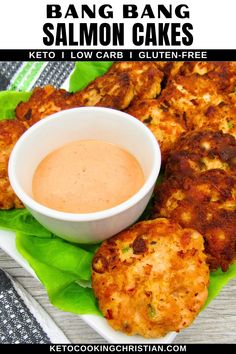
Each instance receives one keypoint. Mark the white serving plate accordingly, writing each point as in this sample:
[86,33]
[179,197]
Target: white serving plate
[99,324]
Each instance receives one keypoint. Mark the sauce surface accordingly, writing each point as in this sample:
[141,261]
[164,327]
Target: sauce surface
[86,176]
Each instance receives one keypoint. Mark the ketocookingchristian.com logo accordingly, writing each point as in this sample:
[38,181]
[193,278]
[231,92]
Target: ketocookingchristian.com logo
[105,348]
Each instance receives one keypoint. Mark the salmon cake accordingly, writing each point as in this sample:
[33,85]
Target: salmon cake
[10,132]
[123,83]
[166,125]
[222,74]
[43,102]
[190,96]
[207,203]
[112,90]
[198,90]
[199,151]
[151,279]
[218,117]
[145,77]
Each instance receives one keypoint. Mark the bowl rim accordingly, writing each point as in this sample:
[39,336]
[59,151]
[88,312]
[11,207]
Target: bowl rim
[77,217]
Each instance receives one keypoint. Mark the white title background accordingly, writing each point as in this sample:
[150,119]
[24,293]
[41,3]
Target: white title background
[21,22]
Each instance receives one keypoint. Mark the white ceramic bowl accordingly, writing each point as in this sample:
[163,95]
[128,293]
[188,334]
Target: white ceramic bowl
[80,124]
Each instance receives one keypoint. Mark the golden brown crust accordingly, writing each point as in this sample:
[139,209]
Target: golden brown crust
[220,116]
[199,90]
[10,132]
[151,279]
[163,122]
[222,74]
[200,67]
[163,66]
[44,102]
[112,90]
[145,77]
[199,151]
[189,96]
[206,202]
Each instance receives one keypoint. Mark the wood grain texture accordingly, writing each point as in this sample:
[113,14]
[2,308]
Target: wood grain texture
[216,324]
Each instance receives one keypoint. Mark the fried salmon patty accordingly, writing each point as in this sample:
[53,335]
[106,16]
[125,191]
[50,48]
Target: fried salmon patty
[221,116]
[164,123]
[43,102]
[151,279]
[112,90]
[10,132]
[199,151]
[222,74]
[203,93]
[123,83]
[207,203]
[189,96]
[145,77]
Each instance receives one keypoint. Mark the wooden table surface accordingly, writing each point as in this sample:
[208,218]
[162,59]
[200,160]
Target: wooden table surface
[216,324]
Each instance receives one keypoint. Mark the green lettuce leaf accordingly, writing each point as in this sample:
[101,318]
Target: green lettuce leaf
[85,72]
[8,102]
[218,280]
[22,220]
[61,254]
[60,266]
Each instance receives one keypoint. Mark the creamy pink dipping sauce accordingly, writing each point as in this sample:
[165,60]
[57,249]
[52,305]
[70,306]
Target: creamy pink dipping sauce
[86,176]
